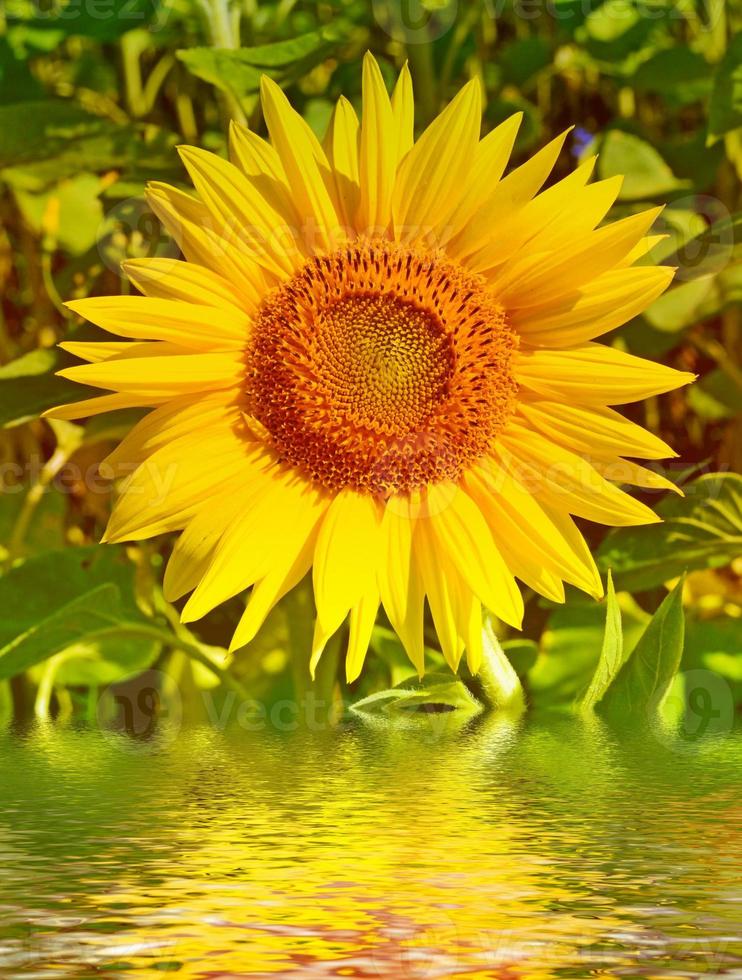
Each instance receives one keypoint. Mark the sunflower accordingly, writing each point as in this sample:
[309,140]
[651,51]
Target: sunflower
[376,361]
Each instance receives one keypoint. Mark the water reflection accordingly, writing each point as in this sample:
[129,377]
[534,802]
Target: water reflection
[541,850]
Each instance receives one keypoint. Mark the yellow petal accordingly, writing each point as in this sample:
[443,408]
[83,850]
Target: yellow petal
[188,324]
[593,431]
[180,416]
[529,540]
[205,241]
[274,522]
[603,304]
[441,587]
[433,175]
[161,376]
[619,470]
[246,221]
[566,480]
[99,405]
[403,111]
[297,152]
[171,485]
[592,374]
[399,582]
[346,556]
[362,621]
[289,569]
[99,350]
[342,151]
[537,278]
[378,153]
[194,549]
[464,537]
[488,233]
[489,162]
[262,166]
[172,279]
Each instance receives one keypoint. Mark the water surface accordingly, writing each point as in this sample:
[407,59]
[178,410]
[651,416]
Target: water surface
[546,849]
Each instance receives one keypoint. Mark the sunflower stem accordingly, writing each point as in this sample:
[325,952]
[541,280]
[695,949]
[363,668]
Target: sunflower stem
[500,683]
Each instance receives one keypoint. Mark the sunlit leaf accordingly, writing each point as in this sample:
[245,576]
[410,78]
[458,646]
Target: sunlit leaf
[637,692]
[679,73]
[570,650]
[646,174]
[239,71]
[77,622]
[44,584]
[611,652]
[701,530]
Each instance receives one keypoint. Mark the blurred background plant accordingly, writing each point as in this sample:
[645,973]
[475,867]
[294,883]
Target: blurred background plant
[95,95]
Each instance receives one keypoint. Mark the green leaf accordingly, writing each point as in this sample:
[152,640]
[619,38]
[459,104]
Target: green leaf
[413,700]
[93,660]
[680,307]
[44,584]
[77,622]
[611,652]
[678,73]
[637,692]
[570,650]
[646,174]
[238,72]
[701,530]
[28,386]
[725,109]
[80,213]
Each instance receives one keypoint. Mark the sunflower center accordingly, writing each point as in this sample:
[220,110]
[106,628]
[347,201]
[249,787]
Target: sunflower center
[381,368]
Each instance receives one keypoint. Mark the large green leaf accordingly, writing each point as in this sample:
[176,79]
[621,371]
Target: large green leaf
[725,110]
[640,687]
[570,650]
[679,73]
[701,530]
[84,620]
[45,584]
[238,72]
[611,652]
[645,173]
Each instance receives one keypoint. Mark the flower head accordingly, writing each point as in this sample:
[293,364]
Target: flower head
[377,362]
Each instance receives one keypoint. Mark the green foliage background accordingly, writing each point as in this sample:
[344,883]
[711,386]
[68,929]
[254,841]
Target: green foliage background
[95,95]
